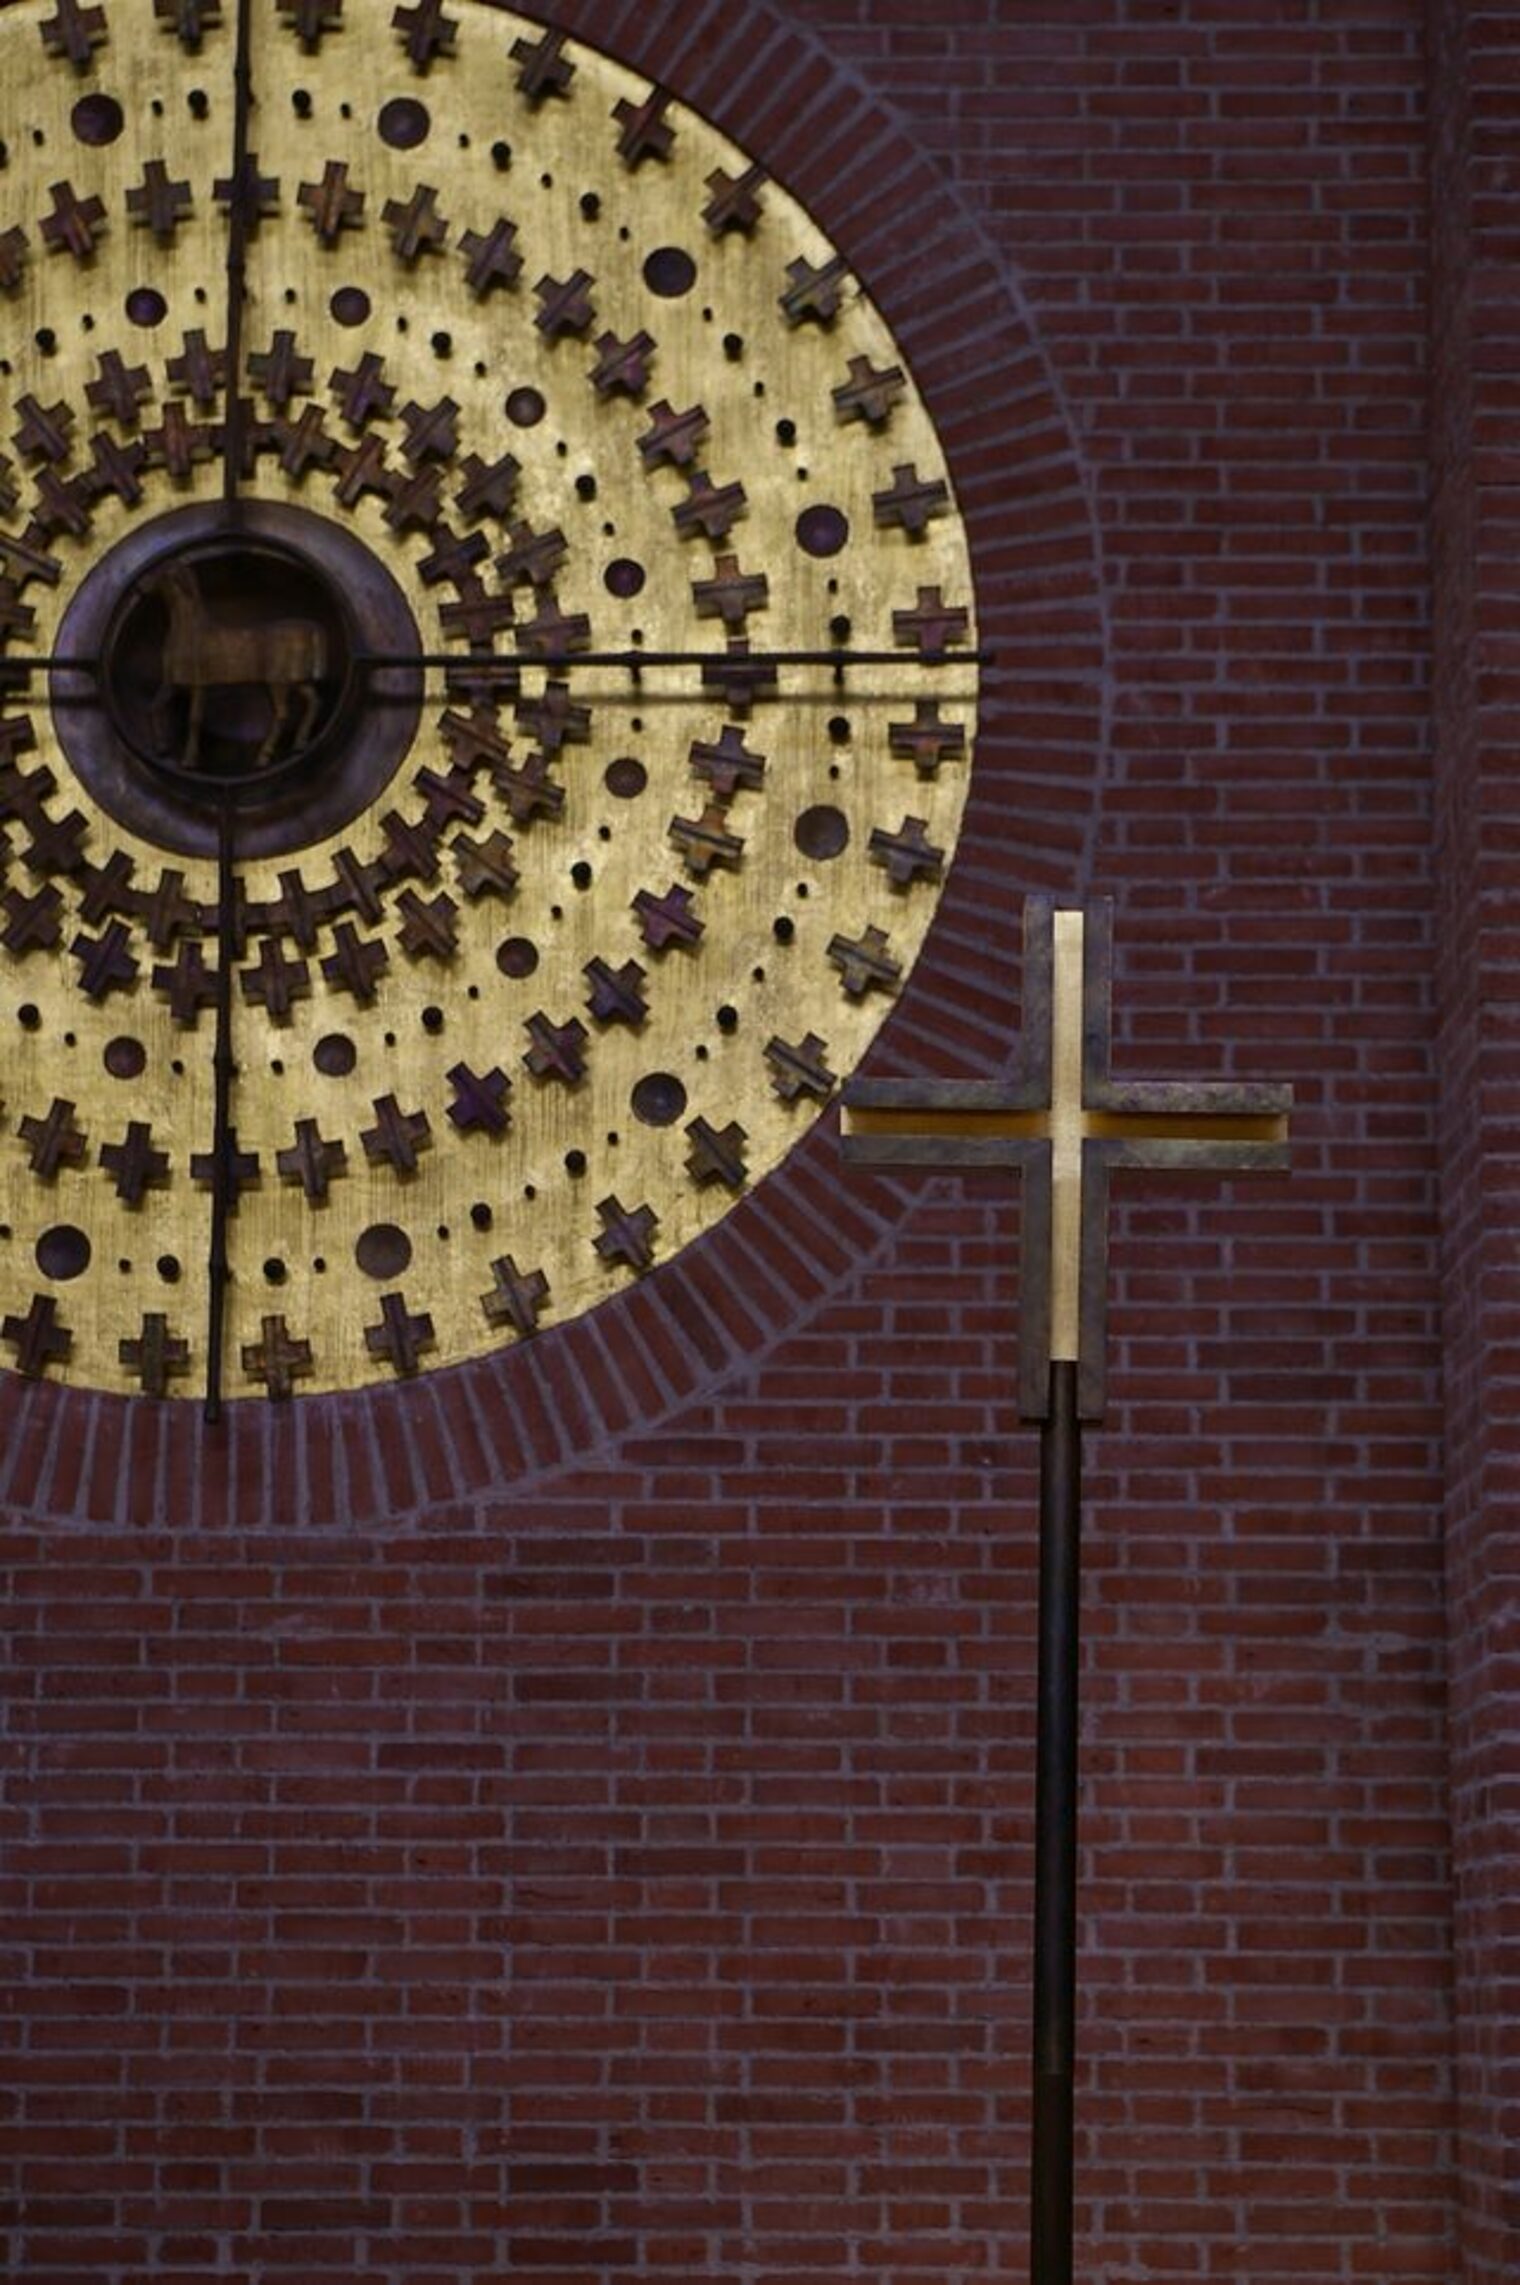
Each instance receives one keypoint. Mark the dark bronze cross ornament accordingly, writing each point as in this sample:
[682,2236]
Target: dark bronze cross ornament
[1066,1124]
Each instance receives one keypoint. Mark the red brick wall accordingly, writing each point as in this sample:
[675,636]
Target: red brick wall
[572,1818]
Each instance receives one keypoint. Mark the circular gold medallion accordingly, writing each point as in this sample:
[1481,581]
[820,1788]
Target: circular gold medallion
[494,687]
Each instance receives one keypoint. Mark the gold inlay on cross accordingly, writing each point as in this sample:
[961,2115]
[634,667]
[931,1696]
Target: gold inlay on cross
[1065,1122]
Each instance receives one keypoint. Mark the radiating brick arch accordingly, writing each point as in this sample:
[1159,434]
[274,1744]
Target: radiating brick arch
[508,1419]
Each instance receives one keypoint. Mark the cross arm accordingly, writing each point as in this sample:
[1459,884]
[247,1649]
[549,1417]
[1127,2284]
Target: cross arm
[1248,1111]
[963,1122]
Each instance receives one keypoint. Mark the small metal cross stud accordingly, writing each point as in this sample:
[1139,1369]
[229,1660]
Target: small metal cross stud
[1066,1124]
[155,1354]
[277,1358]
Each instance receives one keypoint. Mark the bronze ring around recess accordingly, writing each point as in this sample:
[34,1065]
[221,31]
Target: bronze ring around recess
[229,661]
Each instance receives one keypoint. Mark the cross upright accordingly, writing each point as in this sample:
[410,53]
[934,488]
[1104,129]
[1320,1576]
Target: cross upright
[1066,1124]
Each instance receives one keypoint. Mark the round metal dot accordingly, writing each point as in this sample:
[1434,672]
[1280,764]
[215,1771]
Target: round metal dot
[783,928]
[526,407]
[404,122]
[517,956]
[625,777]
[335,1055]
[658,1099]
[125,1058]
[350,305]
[623,577]
[669,271]
[97,119]
[29,1017]
[383,1250]
[839,729]
[146,306]
[822,530]
[727,1019]
[575,1162]
[63,1252]
[168,1268]
[274,1270]
[481,1216]
[432,1019]
[822,831]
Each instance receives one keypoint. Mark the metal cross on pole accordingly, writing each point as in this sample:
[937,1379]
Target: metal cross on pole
[1066,1124]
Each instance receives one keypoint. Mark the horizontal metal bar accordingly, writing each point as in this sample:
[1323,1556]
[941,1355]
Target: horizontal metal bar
[631,661]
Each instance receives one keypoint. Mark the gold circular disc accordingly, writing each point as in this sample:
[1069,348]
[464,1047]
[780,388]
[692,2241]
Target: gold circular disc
[521,1014]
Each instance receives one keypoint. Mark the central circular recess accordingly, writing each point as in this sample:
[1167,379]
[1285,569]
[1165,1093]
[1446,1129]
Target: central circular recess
[228,666]
[239,661]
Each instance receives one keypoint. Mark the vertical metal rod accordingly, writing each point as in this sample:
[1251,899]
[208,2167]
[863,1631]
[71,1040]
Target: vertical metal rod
[218,1271]
[1055,1841]
[237,255]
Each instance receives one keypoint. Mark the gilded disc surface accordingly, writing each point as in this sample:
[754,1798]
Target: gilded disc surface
[423,717]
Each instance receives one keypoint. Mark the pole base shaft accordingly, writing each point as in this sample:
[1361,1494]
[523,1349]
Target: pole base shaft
[1055,1837]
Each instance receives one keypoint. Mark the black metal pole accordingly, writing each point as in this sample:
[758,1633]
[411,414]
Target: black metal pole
[237,259]
[224,1071]
[1055,1836]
